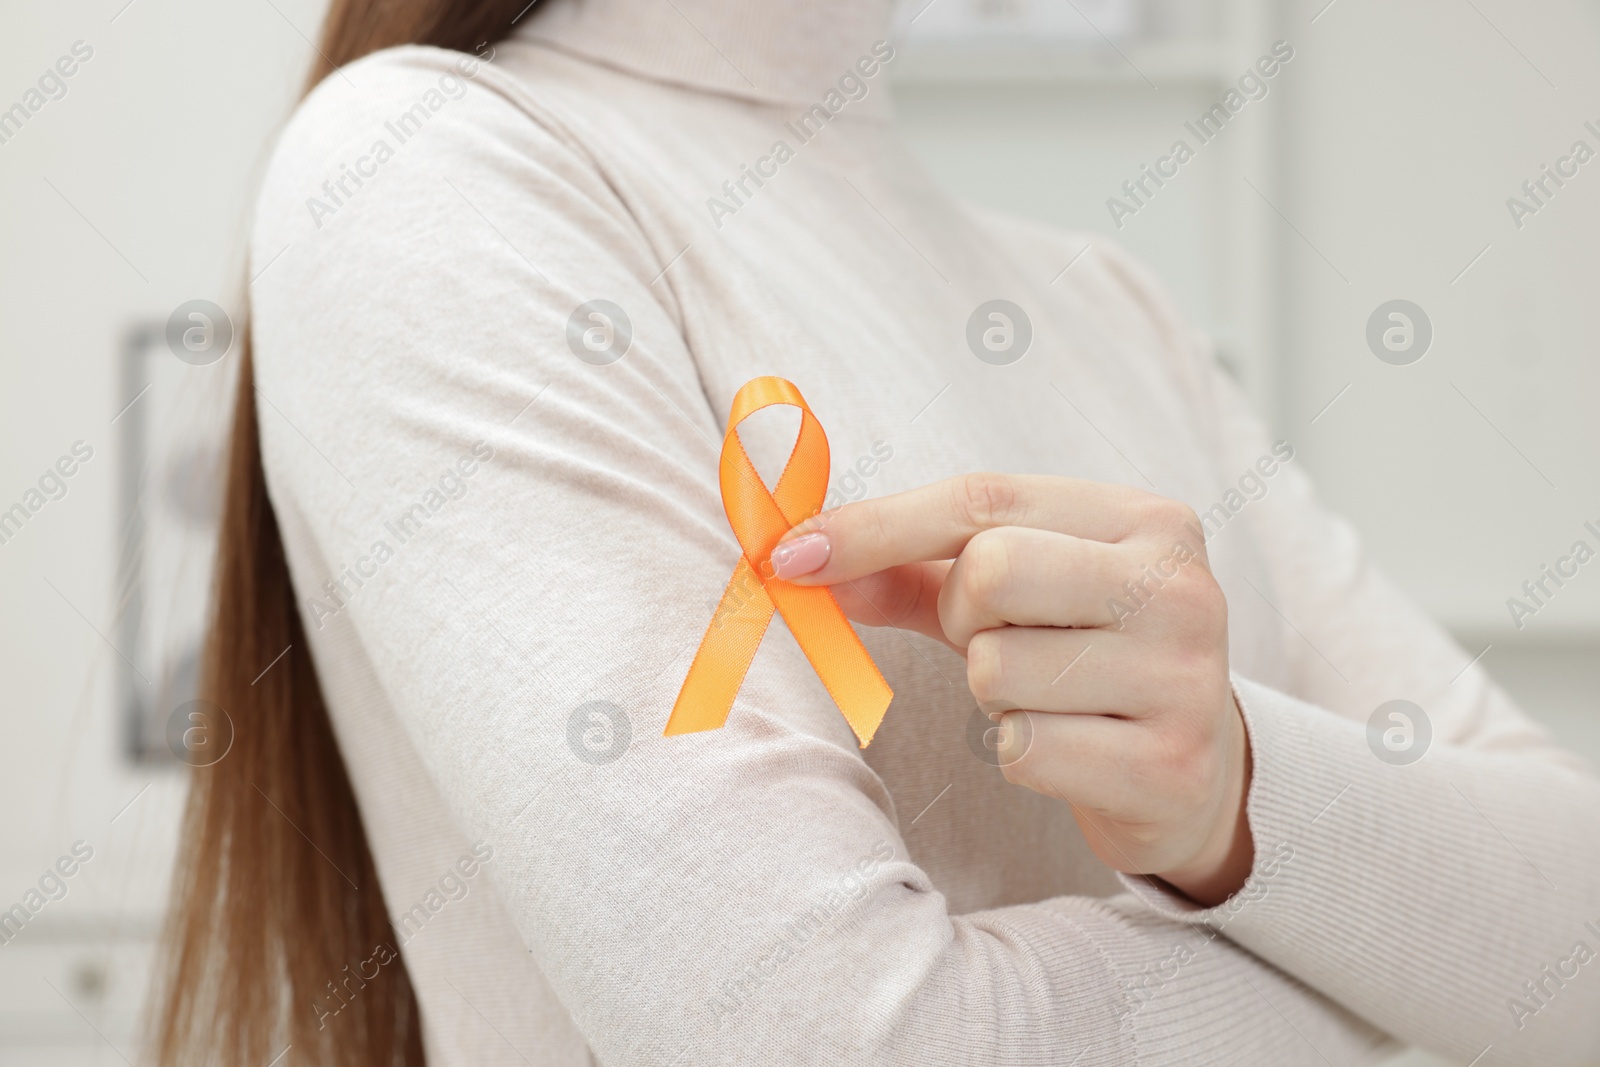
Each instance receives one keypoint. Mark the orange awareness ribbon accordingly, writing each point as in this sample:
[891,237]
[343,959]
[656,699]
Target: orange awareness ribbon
[759,519]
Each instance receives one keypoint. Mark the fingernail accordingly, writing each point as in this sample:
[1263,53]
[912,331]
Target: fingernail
[801,556]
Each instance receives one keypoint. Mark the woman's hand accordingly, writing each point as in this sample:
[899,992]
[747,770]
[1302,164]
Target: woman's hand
[1094,633]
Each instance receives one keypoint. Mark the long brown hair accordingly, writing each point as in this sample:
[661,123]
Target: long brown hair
[275,899]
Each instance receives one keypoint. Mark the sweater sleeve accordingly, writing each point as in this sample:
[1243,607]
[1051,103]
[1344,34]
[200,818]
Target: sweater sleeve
[1436,872]
[738,896]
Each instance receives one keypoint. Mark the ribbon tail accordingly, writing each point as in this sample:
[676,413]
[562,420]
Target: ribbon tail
[837,655]
[725,654]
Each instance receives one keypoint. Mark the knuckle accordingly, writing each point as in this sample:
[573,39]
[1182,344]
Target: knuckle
[1186,604]
[1148,506]
[985,499]
[1163,514]
[1015,750]
[986,568]
[1183,516]
[878,529]
[1200,601]
[985,666]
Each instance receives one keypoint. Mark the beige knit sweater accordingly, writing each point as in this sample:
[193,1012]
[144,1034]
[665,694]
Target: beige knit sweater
[503,522]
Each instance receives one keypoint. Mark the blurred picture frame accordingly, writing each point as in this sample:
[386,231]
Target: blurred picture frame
[171,436]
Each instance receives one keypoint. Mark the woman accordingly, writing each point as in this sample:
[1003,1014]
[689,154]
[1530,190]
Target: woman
[506,289]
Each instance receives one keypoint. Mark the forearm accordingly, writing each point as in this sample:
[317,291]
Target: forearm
[1424,896]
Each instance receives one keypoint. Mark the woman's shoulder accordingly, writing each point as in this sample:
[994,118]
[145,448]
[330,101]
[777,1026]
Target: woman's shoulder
[364,117]
[379,138]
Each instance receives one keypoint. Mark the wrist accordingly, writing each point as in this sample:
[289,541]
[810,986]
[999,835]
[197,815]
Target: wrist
[1223,863]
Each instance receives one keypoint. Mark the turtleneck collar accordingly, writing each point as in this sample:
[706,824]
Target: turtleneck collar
[774,51]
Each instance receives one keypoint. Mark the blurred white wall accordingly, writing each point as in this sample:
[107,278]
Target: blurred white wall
[1378,168]
[118,201]
[1471,468]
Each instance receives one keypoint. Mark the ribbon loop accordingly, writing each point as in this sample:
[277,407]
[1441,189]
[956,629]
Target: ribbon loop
[759,519]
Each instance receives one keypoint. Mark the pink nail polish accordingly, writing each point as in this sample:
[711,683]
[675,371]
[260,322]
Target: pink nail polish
[803,555]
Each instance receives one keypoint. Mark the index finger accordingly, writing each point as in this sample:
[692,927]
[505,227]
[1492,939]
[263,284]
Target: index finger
[935,522]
